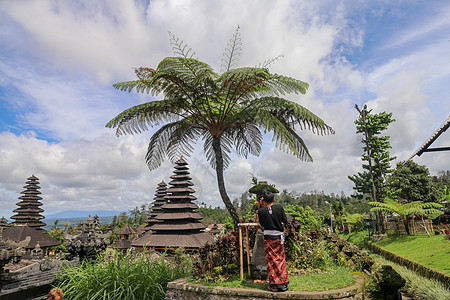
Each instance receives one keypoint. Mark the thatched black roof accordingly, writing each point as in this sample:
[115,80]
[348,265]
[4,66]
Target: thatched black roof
[178,225]
[28,211]
[191,241]
[19,233]
[125,230]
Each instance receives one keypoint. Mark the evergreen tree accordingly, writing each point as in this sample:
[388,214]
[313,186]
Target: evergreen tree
[376,147]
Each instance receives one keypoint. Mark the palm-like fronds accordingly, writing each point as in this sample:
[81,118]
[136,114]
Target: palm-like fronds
[137,118]
[226,111]
[232,51]
[293,114]
[429,209]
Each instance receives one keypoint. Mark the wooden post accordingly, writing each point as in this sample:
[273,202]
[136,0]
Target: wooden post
[248,253]
[241,253]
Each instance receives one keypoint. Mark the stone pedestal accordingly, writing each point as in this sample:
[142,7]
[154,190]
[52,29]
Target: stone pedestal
[258,261]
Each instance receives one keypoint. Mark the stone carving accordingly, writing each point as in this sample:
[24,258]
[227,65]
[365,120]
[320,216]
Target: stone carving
[88,243]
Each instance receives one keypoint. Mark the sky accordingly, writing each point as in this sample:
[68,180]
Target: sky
[59,60]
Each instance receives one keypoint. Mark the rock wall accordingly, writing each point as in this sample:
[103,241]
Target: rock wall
[183,289]
[31,280]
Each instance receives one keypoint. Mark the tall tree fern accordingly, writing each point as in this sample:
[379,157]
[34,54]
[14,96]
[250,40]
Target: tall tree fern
[407,210]
[225,111]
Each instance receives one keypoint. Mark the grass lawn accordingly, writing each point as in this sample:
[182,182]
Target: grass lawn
[336,278]
[418,287]
[433,252]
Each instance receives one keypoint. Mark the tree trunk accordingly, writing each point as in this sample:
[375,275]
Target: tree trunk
[221,183]
[406,223]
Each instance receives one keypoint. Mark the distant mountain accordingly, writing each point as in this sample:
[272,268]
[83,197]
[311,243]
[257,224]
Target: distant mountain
[83,214]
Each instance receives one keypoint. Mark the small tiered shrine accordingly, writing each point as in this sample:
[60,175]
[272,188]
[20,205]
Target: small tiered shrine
[3,224]
[125,235]
[179,225]
[28,212]
[160,200]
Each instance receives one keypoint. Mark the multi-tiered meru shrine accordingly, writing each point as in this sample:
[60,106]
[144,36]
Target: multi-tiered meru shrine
[156,209]
[178,225]
[29,211]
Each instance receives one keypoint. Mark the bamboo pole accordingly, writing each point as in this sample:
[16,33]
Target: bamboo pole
[241,254]
[248,253]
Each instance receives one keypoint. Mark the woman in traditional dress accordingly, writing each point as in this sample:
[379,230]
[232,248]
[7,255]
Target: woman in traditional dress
[272,217]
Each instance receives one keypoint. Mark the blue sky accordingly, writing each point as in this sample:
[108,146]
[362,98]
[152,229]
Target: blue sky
[59,59]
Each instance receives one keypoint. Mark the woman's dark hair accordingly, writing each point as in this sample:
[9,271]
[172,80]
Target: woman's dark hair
[268,197]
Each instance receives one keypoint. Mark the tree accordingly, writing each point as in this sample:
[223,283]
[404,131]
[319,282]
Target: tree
[376,158]
[225,111]
[407,210]
[375,147]
[414,183]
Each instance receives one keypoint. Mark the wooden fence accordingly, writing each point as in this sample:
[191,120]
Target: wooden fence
[415,226]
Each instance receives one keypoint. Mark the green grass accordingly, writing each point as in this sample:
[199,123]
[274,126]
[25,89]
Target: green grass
[336,278]
[356,238]
[432,252]
[129,277]
[418,287]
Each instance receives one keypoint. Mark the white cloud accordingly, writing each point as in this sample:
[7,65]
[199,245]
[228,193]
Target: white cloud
[59,59]
[76,174]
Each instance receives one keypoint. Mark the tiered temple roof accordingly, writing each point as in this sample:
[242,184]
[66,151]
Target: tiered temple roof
[28,212]
[160,200]
[20,233]
[179,225]
[125,235]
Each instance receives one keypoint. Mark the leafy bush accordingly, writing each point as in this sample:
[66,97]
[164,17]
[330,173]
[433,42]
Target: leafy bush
[123,277]
[447,234]
[355,222]
[357,238]
[216,262]
[308,218]
[308,252]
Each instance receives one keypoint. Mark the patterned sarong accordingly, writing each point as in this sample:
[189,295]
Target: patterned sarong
[276,263]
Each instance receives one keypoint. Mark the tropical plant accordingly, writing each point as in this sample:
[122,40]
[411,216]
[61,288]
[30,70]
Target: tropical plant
[308,218]
[407,210]
[445,195]
[308,253]
[225,111]
[123,277]
[355,222]
[217,261]
[58,234]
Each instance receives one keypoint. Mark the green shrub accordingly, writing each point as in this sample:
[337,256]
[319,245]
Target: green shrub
[308,218]
[308,252]
[214,262]
[355,222]
[123,277]
[357,238]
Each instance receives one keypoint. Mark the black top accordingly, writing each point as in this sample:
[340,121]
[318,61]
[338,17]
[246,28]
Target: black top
[272,221]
